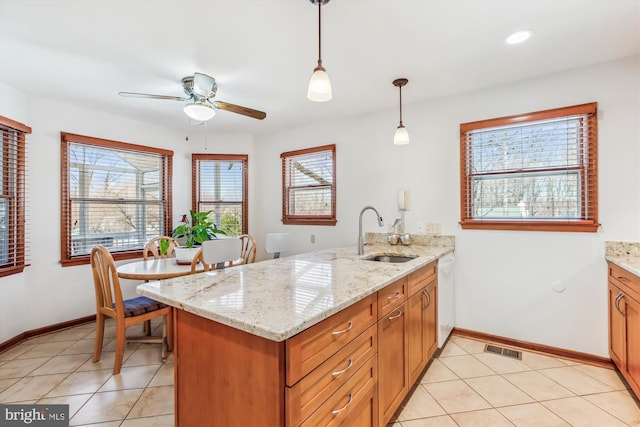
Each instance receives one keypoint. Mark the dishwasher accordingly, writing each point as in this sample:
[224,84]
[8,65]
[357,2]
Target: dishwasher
[446,310]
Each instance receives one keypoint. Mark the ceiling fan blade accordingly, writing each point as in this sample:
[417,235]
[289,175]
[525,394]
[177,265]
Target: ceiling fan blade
[151,96]
[204,85]
[245,111]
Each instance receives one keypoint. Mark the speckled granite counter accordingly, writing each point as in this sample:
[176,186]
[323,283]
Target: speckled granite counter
[279,298]
[625,255]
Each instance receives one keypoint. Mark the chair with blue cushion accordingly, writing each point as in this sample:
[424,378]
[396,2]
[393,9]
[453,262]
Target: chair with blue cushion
[109,303]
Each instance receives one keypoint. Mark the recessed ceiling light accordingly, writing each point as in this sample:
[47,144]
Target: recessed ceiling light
[518,36]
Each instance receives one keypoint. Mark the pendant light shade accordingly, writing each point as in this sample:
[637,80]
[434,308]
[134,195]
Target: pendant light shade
[319,86]
[200,111]
[401,137]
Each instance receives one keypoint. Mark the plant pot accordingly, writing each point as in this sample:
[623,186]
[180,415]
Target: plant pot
[185,255]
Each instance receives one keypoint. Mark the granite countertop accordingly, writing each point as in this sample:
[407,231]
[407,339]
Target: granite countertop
[279,298]
[625,255]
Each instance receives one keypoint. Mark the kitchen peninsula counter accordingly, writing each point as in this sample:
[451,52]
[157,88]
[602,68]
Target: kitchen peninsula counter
[279,298]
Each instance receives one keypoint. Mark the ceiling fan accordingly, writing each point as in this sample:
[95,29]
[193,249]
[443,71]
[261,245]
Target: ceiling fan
[201,89]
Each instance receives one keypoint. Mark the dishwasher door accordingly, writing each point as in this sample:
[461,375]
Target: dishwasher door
[446,313]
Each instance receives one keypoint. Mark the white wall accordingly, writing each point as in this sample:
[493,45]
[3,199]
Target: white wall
[504,278]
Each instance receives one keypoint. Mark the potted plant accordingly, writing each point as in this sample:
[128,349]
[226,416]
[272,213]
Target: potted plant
[192,232]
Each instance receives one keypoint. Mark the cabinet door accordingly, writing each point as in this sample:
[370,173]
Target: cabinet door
[430,318]
[415,335]
[393,371]
[616,327]
[631,310]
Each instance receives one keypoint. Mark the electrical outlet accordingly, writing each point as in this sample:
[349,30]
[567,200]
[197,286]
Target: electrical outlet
[434,228]
[312,238]
[420,227]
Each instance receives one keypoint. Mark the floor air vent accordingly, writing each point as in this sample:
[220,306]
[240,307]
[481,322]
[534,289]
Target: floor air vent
[507,352]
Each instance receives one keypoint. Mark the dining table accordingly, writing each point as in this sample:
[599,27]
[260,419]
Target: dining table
[154,269]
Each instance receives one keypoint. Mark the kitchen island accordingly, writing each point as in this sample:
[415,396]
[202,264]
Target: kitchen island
[238,333]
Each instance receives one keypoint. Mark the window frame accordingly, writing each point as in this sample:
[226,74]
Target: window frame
[18,257]
[328,220]
[195,183]
[588,222]
[66,257]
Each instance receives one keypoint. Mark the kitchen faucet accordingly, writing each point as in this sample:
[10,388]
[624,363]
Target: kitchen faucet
[360,238]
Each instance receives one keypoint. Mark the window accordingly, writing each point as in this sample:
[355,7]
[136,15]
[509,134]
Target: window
[309,186]
[13,197]
[536,171]
[220,186]
[114,194]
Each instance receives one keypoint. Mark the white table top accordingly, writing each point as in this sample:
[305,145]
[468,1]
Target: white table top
[154,269]
[279,298]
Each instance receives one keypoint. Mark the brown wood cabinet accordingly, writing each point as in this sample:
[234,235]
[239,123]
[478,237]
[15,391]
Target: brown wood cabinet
[422,318]
[624,324]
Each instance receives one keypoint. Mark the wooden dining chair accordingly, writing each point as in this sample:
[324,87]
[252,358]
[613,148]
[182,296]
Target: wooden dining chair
[216,254]
[248,248]
[153,247]
[109,303]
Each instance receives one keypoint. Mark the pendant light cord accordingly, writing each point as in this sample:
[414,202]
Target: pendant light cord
[319,35]
[400,105]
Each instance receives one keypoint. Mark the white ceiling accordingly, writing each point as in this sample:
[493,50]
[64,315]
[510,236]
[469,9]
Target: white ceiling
[262,52]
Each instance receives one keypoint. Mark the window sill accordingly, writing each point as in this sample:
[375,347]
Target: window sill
[309,221]
[569,226]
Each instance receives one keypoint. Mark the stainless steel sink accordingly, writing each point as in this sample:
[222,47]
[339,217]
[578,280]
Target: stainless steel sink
[391,258]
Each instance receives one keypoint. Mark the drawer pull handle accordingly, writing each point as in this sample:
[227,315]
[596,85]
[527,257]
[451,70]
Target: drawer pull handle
[343,330]
[396,316]
[617,303]
[623,279]
[396,296]
[337,411]
[336,373]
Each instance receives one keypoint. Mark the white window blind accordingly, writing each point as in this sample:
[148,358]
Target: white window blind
[14,237]
[532,171]
[309,190]
[115,196]
[221,187]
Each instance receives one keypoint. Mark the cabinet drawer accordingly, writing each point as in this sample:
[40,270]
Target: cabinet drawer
[627,281]
[308,349]
[420,278]
[347,398]
[309,393]
[391,297]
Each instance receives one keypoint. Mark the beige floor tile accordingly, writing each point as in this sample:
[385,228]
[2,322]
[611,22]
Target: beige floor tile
[145,356]
[159,421]
[16,351]
[532,415]
[540,361]
[620,404]
[18,368]
[579,412]
[106,361]
[107,406]
[442,421]
[30,388]
[61,364]
[498,391]
[456,396]
[537,385]
[6,383]
[420,405]
[154,401]
[502,364]
[72,334]
[45,349]
[466,366]
[483,418]
[75,402]
[437,372]
[452,349]
[81,383]
[131,377]
[85,346]
[164,376]
[576,381]
[468,345]
[605,376]
[107,424]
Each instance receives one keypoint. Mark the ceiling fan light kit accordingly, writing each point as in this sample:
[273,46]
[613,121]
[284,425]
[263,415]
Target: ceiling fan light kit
[319,86]
[401,136]
[200,111]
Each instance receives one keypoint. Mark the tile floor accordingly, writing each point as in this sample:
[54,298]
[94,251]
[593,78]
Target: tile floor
[462,387]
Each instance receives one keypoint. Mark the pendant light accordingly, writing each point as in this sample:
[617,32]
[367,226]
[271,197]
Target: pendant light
[320,86]
[401,137]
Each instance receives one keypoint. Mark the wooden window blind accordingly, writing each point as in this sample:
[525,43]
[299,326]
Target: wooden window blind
[14,239]
[309,186]
[220,186]
[114,194]
[536,171]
